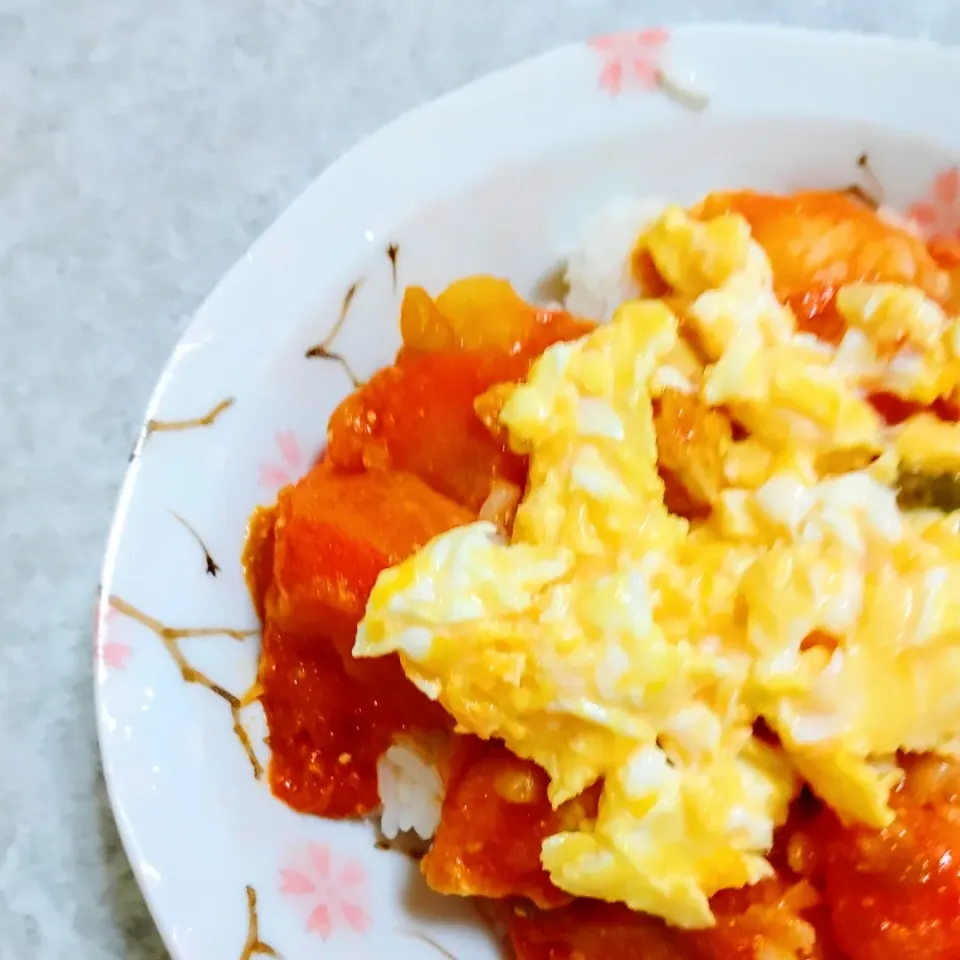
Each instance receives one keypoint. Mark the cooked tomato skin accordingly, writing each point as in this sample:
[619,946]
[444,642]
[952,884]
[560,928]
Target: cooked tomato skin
[591,930]
[418,415]
[819,240]
[482,313]
[896,892]
[258,556]
[751,923]
[311,562]
[495,818]
[692,443]
[324,736]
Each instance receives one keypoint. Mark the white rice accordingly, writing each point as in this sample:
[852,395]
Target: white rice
[598,272]
[411,790]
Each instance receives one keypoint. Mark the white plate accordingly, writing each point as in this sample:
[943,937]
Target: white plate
[495,178]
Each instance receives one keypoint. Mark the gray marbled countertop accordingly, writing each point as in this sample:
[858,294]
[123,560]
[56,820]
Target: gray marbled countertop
[143,146]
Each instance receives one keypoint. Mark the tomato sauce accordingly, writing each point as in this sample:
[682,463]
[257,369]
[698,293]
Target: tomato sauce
[896,892]
[751,924]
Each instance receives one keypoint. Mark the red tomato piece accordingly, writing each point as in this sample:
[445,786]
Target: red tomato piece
[591,930]
[418,415]
[495,818]
[325,735]
[895,410]
[335,532]
[774,917]
[319,552]
[820,240]
[258,556]
[758,921]
[896,892]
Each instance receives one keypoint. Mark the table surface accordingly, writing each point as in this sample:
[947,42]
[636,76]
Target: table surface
[143,146]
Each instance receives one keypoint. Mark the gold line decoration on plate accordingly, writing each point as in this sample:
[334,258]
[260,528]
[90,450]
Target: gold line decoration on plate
[393,251]
[171,637]
[871,196]
[212,567]
[152,426]
[322,350]
[254,946]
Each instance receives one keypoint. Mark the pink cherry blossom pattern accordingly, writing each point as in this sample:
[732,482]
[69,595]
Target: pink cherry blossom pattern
[115,655]
[112,654]
[938,215]
[290,466]
[631,58]
[331,894]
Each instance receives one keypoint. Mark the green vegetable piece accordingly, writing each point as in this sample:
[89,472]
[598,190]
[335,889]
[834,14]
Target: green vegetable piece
[928,491]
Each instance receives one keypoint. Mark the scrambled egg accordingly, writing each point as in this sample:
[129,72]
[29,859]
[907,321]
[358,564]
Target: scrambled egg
[612,640]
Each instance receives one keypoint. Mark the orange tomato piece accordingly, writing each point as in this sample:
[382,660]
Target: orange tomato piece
[763,920]
[481,313]
[692,442]
[817,241]
[335,532]
[422,325]
[945,250]
[495,818]
[896,892]
[592,930]
[418,414]
[776,917]
[319,552]
[325,732]
[258,556]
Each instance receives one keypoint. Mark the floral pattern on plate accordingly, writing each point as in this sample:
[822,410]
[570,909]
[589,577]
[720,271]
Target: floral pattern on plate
[290,466]
[111,653]
[938,214]
[331,892]
[631,58]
